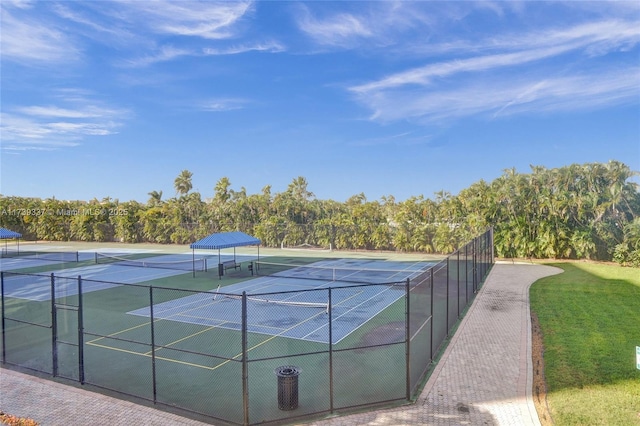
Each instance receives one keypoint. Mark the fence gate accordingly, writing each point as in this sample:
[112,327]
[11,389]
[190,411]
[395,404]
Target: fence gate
[67,329]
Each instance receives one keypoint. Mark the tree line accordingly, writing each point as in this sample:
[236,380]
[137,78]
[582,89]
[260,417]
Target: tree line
[580,211]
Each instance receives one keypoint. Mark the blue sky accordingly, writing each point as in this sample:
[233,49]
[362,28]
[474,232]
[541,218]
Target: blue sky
[116,98]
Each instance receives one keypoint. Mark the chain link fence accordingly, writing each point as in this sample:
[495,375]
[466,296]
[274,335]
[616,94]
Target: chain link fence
[222,356]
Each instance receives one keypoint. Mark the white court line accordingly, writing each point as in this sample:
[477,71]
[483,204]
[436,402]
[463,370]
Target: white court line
[354,307]
[118,250]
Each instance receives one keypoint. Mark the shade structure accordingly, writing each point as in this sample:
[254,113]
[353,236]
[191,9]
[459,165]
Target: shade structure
[224,240]
[6,234]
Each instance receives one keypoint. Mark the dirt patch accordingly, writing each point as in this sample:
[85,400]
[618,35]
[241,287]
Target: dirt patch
[394,332]
[539,382]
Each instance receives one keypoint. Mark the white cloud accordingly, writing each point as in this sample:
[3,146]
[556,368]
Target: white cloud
[28,40]
[54,32]
[424,75]
[270,46]
[337,30]
[208,20]
[169,53]
[54,111]
[501,97]
[505,82]
[163,54]
[404,26]
[223,104]
[603,37]
[53,126]
[18,4]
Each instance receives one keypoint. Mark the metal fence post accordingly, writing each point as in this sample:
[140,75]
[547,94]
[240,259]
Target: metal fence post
[4,339]
[466,274]
[431,313]
[458,278]
[80,334]
[475,265]
[484,255]
[153,346]
[329,309]
[447,321]
[245,369]
[407,339]
[54,328]
[492,245]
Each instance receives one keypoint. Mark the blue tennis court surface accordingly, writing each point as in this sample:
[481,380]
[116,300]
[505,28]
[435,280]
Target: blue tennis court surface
[41,259]
[38,287]
[294,307]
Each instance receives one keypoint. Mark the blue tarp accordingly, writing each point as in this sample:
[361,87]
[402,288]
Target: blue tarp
[6,234]
[224,240]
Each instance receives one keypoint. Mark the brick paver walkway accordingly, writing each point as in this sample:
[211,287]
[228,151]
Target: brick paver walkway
[485,375]
[483,378]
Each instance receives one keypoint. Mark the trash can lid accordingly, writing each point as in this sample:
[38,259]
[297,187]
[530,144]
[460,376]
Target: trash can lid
[287,370]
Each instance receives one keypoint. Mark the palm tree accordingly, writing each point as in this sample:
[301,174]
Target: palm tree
[298,189]
[156,198]
[183,182]
[221,190]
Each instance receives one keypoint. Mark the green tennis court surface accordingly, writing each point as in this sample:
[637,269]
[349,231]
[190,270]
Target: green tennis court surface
[185,341]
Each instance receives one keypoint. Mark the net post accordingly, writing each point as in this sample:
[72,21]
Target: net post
[80,334]
[245,366]
[54,329]
[153,346]
[407,338]
[95,256]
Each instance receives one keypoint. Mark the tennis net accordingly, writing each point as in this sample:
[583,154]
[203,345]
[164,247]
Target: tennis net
[273,301]
[334,273]
[55,256]
[199,264]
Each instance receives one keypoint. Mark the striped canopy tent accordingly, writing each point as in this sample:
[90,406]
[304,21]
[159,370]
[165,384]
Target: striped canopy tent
[223,240]
[6,235]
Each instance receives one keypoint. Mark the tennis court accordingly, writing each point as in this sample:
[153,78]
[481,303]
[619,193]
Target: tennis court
[210,345]
[32,259]
[108,271]
[294,302]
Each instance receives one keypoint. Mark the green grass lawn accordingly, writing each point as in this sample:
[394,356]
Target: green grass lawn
[590,320]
